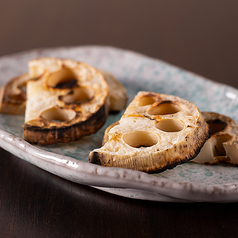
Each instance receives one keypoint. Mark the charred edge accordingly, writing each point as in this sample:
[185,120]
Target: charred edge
[52,135]
[112,112]
[60,97]
[94,158]
[167,101]
[97,158]
[221,126]
[171,165]
[15,98]
[71,83]
[149,117]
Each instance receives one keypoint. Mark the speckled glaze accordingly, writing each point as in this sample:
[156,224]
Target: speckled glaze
[189,182]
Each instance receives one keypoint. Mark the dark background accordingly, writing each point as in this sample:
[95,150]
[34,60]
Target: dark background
[199,36]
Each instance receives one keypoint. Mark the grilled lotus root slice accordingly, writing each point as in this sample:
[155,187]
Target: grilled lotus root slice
[69,100]
[156,132]
[13,95]
[222,146]
[117,92]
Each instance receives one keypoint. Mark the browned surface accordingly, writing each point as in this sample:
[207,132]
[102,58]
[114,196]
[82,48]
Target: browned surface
[66,133]
[200,36]
[13,95]
[164,158]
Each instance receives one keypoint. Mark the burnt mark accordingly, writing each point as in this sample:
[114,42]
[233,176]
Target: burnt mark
[142,146]
[66,133]
[160,102]
[94,158]
[216,126]
[70,83]
[178,161]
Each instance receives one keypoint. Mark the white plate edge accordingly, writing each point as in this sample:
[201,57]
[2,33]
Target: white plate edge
[137,180]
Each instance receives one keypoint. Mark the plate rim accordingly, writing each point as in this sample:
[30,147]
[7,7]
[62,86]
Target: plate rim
[119,177]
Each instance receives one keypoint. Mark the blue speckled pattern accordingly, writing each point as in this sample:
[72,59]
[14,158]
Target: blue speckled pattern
[136,72]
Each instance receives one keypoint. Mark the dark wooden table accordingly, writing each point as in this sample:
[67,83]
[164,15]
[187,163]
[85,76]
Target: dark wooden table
[200,36]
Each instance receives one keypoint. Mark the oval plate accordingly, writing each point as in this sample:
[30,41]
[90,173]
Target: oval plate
[189,182]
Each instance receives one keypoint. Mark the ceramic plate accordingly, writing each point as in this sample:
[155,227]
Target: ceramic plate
[186,183]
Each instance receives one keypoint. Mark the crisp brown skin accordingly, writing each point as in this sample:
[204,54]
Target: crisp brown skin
[66,133]
[62,82]
[13,102]
[161,160]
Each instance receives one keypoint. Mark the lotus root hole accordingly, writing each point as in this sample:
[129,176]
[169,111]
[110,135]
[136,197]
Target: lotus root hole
[218,149]
[79,95]
[170,125]
[140,139]
[64,78]
[164,109]
[56,114]
[147,100]
[216,126]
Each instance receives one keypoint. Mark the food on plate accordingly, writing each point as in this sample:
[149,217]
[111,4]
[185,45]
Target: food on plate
[66,100]
[156,132]
[117,92]
[13,95]
[222,146]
